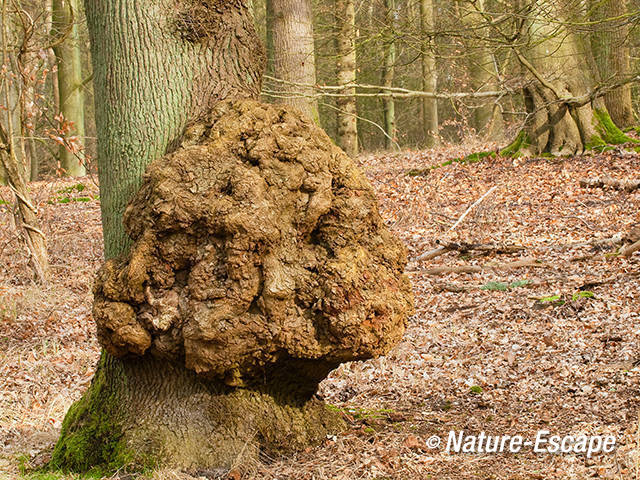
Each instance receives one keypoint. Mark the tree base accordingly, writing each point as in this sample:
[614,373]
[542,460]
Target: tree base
[141,413]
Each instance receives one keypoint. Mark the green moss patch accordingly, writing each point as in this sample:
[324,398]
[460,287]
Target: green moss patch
[91,439]
[609,133]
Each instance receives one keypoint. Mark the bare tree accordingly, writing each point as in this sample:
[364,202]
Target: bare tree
[65,16]
[290,27]
[16,36]
[346,75]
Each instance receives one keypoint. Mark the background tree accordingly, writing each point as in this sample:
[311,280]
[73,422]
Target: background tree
[487,115]
[65,31]
[429,73]
[292,54]
[566,116]
[347,119]
[611,48]
[388,73]
[21,74]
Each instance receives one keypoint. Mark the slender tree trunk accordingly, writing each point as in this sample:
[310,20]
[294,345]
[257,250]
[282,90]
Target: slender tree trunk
[157,68]
[487,115]
[34,163]
[69,61]
[610,45]
[346,75]
[429,75]
[14,169]
[291,24]
[389,73]
[270,69]
[556,126]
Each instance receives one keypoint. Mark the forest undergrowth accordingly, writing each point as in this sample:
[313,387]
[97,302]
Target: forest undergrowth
[526,320]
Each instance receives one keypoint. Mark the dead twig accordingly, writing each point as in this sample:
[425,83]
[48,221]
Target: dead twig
[475,204]
[441,250]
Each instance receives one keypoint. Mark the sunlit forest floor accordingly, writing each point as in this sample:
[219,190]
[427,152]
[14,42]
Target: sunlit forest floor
[550,343]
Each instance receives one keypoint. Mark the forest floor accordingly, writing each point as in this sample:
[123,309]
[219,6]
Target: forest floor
[550,343]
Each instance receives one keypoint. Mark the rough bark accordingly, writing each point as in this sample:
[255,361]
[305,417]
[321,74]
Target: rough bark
[388,73]
[291,23]
[429,75]
[346,75]
[560,69]
[169,73]
[69,63]
[610,46]
[200,370]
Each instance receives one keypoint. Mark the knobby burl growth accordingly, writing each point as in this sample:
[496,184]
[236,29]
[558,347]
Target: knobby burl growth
[259,254]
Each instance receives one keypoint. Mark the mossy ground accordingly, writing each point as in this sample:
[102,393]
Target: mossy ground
[511,150]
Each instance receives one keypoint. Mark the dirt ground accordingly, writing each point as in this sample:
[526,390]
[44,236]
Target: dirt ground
[550,343]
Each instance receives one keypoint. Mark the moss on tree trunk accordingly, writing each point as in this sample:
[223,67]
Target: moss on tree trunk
[560,70]
[143,412]
[158,69]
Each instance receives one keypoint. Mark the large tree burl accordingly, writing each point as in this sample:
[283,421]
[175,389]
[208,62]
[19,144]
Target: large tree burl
[258,251]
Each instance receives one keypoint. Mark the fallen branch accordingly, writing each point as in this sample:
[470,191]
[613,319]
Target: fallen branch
[485,249]
[460,269]
[477,202]
[602,182]
[431,254]
[525,262]
[628,250]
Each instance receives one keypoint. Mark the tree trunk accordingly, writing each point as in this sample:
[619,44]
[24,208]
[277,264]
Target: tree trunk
[69,61]
[143,412]
[294,62]
[561,75]
[610,45]
[388,74]
[346,75]
[429,75]
[487,116]
[158,68]
[10,163]
[34,163]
